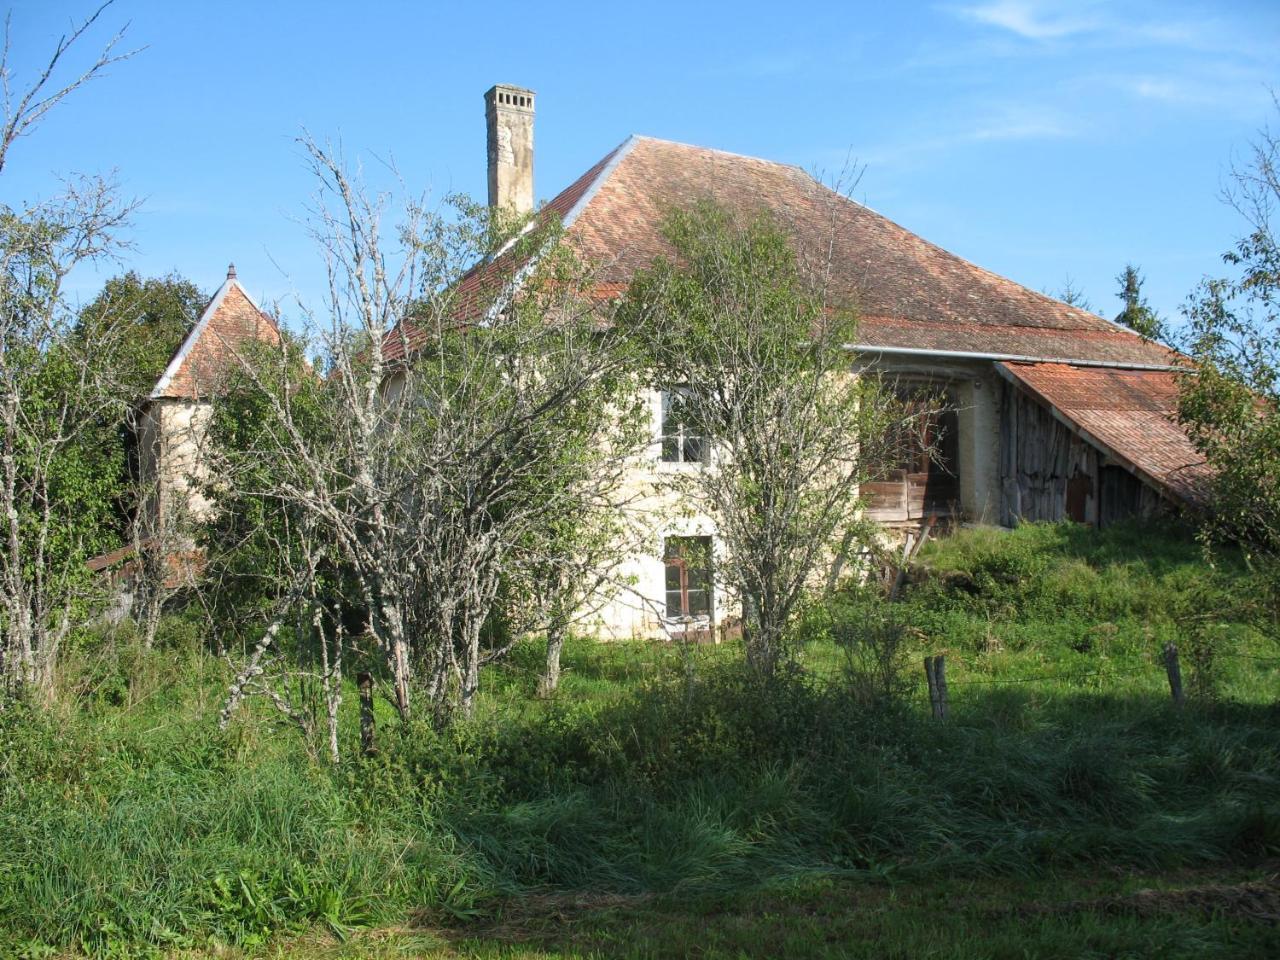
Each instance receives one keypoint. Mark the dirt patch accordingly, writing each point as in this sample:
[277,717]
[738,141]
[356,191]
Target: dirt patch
[533,916]
[1255,900]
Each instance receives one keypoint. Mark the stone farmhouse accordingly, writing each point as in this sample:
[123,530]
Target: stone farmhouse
[1053,412]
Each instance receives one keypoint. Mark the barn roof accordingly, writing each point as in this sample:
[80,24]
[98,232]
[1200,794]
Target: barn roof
[910,294]
[231,319]
[1130,415]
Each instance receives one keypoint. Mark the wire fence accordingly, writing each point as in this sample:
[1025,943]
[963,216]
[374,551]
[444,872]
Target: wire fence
[939,686]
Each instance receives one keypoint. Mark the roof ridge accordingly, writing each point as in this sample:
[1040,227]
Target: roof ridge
[723,153]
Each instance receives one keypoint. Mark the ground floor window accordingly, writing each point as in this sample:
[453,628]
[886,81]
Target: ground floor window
[688,577]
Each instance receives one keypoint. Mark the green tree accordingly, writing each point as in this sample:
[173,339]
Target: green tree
[748,339]
[150,316]
[145,321]
[1230,397]
[1073,296]
[1136,315]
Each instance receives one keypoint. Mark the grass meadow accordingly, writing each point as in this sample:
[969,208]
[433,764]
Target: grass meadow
[665,803]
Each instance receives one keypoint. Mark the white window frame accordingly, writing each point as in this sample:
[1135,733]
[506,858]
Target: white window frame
[682,437]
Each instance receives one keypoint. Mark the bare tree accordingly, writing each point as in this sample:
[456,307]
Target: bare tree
[25,108]
[457,423]
[55,390]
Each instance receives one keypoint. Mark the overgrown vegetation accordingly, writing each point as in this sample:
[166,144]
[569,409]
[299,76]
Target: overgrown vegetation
[1230,397]
[435,475]
[128,823]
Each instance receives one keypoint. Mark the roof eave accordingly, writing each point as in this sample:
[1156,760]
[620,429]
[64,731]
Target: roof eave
[1005,357]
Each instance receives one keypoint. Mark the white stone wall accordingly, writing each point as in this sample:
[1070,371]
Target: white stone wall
[173,459]
[636,606]
[636,610]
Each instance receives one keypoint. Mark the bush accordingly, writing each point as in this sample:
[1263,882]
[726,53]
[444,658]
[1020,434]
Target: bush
[873,638]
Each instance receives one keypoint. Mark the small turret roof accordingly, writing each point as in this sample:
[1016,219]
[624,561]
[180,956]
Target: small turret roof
[232,319]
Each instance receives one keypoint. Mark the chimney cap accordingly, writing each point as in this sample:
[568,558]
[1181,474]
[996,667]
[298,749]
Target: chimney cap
[509,96]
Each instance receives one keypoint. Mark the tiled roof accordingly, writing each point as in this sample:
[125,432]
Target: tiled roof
[231,320]
[910,293]
[1128,414]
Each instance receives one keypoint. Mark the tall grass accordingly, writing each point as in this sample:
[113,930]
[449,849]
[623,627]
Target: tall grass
[128,825]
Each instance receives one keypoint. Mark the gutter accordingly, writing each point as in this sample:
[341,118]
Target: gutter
[1005,357]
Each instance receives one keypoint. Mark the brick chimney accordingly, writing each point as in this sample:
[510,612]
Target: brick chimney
[508,114]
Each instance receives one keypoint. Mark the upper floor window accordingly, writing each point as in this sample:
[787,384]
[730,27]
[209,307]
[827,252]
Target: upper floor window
[682,441]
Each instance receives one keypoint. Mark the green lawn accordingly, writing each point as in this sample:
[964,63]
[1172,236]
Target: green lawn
[667,804]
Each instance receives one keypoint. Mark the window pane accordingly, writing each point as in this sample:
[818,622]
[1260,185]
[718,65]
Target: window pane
[699,576]
[681,440]
[699,603]
[673,576]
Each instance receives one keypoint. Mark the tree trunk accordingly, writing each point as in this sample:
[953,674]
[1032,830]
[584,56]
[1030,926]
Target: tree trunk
[550,680]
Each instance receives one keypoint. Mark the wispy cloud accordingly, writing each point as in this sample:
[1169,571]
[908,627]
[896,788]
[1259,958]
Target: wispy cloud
[1104,26]
[1166,90]
[1033,21]
[1001,125]
[1221,88]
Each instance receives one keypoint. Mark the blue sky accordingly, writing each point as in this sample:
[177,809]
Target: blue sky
[1040,139]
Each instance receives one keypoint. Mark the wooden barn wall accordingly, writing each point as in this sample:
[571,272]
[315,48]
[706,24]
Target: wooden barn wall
[1044,467]
[1123,495]
[1049,473]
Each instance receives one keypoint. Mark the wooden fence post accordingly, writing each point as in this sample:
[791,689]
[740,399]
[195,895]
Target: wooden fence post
[931,675]
[1175,673]
[364,681]
[940,683]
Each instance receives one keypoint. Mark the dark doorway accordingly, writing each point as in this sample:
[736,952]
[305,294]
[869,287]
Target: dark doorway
[922,476]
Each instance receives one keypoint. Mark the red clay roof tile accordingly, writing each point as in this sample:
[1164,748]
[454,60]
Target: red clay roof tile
[910,293]
[231,320]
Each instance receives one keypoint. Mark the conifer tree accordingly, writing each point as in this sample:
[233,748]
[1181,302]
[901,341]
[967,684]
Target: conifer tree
[1136,315]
